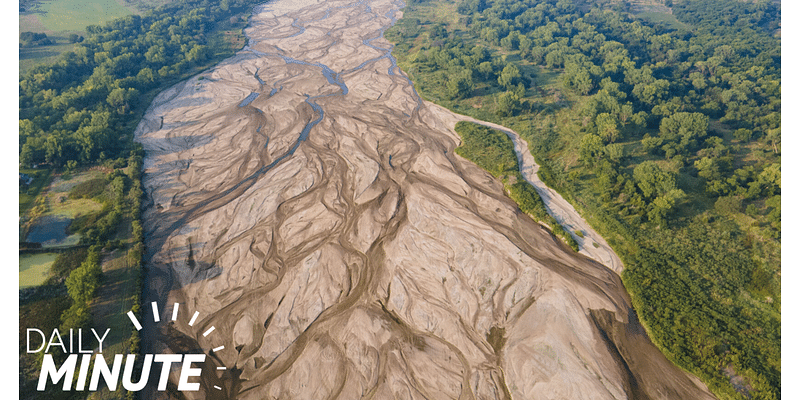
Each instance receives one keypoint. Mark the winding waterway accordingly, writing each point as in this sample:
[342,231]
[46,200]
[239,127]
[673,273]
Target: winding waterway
[590,243]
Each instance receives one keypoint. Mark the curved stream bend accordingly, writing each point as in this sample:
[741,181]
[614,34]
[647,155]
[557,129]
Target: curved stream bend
[305,202]
[591,243]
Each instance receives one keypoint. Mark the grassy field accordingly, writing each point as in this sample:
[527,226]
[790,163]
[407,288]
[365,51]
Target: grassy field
[60,18]
[57,195]
[41,177]
[30,57]
[75,15]
[34,268]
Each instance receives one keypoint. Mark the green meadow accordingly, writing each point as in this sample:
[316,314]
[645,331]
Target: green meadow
[60,18]
[75,15]
[34,268]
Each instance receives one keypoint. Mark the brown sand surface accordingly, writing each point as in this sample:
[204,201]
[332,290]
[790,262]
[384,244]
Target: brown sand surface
[325,228]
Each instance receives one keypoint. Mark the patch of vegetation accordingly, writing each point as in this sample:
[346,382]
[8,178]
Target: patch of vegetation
[28,193]
[493,151]
[67,262]
[31,39]
[496,338]
[88,189]
[72,15]
[70,112]
[34,269]
[666,138]
[669,20]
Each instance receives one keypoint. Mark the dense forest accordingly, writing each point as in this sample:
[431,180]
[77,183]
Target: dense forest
[80,113]
[83,109]
[667,140]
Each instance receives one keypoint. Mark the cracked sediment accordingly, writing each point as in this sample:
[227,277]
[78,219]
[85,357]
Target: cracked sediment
[308,205]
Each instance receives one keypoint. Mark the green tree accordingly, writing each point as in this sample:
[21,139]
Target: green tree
[508,104]
[486,70]
[773,140]
[77,316]
[663,205]
[83,282]
[121,99]
[743,134]
[707,168]
[591,148]
[615,152]
[607,127]
[197,53]
[509,77]
[554,58]
[651,93]
[460,85]
[29,39]
[511,42]
[727,205]
[651,144]
[652,180]
[577,77]
[770,177]
[684,128]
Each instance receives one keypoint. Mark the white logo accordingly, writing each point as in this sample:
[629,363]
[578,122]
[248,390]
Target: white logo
[96,361]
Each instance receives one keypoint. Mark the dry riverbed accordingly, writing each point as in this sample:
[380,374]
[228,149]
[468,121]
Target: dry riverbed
[590,243]
[308,205]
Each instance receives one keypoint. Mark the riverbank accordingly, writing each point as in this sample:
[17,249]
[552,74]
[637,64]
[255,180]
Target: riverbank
[327,224]
[589,241]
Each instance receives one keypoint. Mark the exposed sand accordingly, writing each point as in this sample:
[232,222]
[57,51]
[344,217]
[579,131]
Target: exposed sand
[352,254]
[591,244]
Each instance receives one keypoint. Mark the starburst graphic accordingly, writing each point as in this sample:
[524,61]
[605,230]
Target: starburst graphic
[175,310]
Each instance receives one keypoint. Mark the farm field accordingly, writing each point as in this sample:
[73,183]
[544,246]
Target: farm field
[59,19]
[75,15]
[30,57]
[34,268]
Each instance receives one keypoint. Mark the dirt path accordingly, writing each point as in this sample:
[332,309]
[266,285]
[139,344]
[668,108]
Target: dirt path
[306,203]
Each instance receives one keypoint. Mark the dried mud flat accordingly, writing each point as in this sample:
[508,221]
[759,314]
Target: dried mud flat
[304,202]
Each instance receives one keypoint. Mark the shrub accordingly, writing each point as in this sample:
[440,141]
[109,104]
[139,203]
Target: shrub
[88,189]
[67,262]
[728,205]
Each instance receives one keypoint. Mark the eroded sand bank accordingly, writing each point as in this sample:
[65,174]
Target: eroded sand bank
[591,243]
[309,206]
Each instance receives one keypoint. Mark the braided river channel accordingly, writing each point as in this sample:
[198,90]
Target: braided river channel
[305,203]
